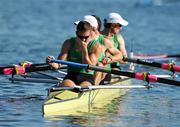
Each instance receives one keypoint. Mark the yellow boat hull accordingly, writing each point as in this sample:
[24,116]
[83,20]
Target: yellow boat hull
[66,102]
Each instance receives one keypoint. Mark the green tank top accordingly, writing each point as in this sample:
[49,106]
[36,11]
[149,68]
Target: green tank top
[100,40]
[76,56]
[116,45]
[115,39]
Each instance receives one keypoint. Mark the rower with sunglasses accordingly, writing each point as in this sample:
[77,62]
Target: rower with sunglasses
[79,49]
[112,26]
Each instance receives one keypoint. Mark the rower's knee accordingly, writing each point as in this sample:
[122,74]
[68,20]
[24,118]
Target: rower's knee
[68,83]
[85,83]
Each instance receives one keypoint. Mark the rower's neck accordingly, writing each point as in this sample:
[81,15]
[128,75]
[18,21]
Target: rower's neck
[95,35]
[107,32]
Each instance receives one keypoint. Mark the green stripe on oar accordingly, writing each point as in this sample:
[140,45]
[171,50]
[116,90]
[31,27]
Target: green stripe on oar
[166,66]
[140,76]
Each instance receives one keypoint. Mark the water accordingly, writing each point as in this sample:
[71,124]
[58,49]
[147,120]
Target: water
[31,30]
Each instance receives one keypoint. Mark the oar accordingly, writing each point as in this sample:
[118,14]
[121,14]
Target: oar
[166,66]
[140,76]
[31,68]
[19,69]
[157,56]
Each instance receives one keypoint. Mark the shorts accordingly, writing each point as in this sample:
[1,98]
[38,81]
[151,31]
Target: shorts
[78,78]
[115,66]
[106,80]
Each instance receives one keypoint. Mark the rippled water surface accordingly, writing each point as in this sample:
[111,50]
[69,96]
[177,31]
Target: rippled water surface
[32,29]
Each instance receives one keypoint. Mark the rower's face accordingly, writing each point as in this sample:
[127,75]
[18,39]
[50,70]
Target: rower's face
[84,36]
[116,28]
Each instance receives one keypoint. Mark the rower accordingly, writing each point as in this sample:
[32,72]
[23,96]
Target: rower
[79,49]
[110,54]
[112,25]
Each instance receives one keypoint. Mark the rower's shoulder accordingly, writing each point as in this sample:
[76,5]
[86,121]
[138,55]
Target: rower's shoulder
[67,43]
[108,43]
[70,40]
[97,47]
[119,36]
[120,39]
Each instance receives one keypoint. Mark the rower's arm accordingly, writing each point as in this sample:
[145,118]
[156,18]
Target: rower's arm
[64,50]
[108,43]
[116,55]
[62,55]
[94,54]
[122,45]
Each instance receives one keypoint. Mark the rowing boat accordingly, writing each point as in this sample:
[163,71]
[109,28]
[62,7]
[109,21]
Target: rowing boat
[70,102]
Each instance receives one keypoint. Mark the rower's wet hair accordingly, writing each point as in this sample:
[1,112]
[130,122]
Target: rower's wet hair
[83,26]
[107,25]
[99,22]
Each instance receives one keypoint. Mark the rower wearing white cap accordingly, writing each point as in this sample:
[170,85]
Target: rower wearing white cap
[106,46]
[79,49]
[93,22]
[112,26]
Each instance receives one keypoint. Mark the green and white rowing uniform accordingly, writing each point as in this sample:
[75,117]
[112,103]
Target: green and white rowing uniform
[117,46]
[100,40]
[76,56]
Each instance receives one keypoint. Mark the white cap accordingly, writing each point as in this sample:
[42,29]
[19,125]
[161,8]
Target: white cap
[116,18]
[90,19]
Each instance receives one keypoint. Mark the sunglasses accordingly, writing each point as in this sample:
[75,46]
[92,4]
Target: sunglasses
[116,25]
[82,37]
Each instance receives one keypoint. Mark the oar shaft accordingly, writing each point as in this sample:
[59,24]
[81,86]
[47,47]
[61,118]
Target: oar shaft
[38,67]
[174,55]
[139,76]
[31,68]
[143,62]
[156,56]
[165,66]
[168,81]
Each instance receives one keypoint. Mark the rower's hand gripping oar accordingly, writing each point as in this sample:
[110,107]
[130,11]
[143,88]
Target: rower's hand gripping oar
[140,76]
[166,66]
